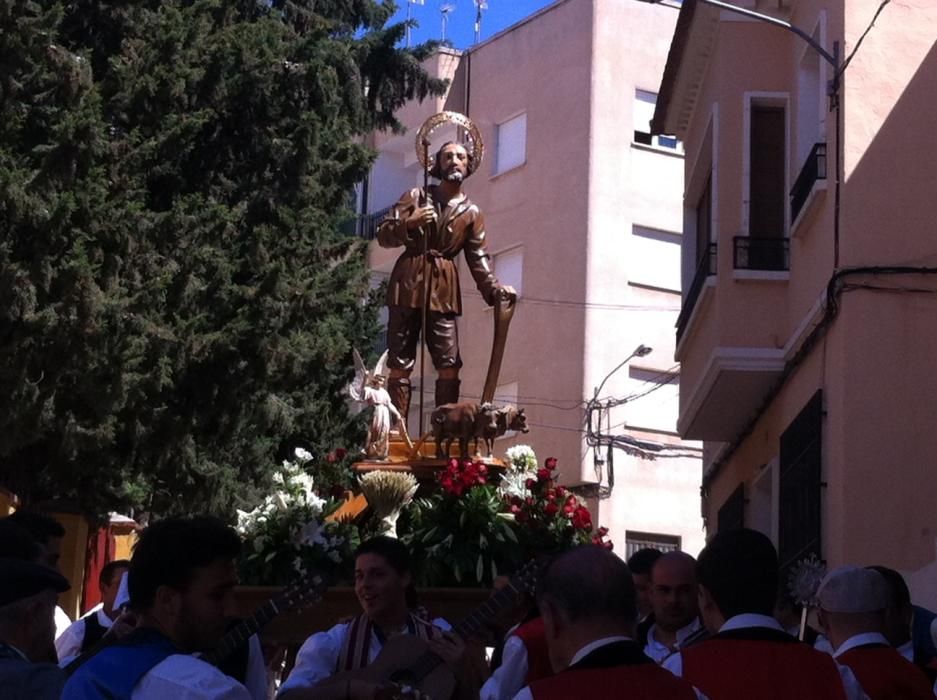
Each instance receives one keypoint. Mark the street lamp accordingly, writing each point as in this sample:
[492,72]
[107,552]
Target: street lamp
[831,58]
[640,351]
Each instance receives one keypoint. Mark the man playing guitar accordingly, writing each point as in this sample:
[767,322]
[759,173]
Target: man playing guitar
[383,584]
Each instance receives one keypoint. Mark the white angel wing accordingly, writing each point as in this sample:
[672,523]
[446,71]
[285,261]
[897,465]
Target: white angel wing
[355,390]
[380,369]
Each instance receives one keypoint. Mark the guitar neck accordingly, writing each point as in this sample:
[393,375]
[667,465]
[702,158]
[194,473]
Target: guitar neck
[488,611]
[243,631]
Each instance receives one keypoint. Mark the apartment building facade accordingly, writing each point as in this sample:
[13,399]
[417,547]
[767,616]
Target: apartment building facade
[806,333]
[583,214]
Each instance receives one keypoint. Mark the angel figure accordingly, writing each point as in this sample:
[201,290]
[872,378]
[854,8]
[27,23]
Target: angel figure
[367,389]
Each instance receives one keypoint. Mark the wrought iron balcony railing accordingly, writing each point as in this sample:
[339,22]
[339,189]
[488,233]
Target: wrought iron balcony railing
[705,268]
[772,254]
[814,169]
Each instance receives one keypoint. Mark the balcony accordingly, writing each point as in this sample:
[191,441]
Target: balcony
[814,170]
[705,268]
[771,254]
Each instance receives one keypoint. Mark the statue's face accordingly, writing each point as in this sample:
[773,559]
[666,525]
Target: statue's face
[453,163]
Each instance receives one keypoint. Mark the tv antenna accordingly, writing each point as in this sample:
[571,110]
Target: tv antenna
[410,4]
[444,10]
[480,5]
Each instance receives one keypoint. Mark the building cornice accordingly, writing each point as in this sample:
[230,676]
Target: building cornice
[687,63]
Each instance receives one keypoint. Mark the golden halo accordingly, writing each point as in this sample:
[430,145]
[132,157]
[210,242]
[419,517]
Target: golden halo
[473,138]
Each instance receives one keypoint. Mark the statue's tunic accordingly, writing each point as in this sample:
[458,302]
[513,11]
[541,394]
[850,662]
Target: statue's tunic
[459,229]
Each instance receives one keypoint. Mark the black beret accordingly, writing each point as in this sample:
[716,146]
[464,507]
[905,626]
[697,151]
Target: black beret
[21,579]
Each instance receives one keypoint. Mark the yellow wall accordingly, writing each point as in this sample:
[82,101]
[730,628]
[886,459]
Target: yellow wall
[72,563]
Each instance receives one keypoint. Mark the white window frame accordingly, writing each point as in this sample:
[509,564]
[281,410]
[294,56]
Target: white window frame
[496,166]
[494,263]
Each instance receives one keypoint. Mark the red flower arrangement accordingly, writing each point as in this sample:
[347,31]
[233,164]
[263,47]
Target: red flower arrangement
[551,518]
[460,477]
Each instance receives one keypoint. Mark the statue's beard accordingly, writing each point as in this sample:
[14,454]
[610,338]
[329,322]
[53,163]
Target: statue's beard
[454,176]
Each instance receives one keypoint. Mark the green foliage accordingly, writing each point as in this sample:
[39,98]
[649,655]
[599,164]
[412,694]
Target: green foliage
[177,307]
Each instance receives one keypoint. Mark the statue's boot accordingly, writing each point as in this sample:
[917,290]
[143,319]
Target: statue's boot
[447,391]
[399,390]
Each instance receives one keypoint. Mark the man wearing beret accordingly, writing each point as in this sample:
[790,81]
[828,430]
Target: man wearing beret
[852,603]
[28,594]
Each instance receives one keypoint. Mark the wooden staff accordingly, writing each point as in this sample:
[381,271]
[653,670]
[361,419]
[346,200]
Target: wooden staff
[427,201]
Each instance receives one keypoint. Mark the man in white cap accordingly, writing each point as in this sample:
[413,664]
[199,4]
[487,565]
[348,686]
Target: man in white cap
[852,603]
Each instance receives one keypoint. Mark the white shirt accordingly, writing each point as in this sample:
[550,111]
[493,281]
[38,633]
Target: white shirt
[62,621]
[859,640]
[659,651]
[68,644]
[511,675]
[183,677]
[854,691]
[525,693]
[318,656]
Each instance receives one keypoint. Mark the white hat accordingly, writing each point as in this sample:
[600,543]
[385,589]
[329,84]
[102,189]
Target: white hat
[853,589]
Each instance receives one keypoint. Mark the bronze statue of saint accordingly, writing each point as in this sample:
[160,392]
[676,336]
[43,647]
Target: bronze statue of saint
[453,225]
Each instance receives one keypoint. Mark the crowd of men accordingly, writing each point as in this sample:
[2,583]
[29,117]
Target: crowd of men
[661,626]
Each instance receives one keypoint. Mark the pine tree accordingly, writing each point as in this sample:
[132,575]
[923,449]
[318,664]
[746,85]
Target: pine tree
[177,305]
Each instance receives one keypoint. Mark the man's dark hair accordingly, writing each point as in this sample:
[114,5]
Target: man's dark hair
[739,568]
[899,595]
[106,577]
[589,583]
[17,543]
[470,161]
[169,552]
[642,561]
[394,552]
[40,527]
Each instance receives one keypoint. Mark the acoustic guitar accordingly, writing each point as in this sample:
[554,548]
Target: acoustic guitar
[406,660]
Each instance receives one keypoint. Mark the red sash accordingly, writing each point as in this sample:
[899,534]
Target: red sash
[884,674]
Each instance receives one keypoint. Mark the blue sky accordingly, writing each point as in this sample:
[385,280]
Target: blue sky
[461,25]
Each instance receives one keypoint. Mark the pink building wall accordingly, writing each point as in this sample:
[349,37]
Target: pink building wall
[873,364]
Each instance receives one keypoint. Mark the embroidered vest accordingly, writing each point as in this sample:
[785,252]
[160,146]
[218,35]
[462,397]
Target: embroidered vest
[538,658]
[357,644]
[884,674]
[761,663]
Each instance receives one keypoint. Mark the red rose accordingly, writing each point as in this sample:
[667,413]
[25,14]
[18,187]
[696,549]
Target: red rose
[340,452]
[330,458]
[530,483]
[569,510]
[453,463]
[551,509]
[582,519]
[482,469]
[516,500]
[550,463]
[530,500]
[561,492]
[572,501]
[543,475]
[515,509]
[482,481]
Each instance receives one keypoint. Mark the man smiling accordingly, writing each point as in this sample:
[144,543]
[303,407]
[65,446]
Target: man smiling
[383,585]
